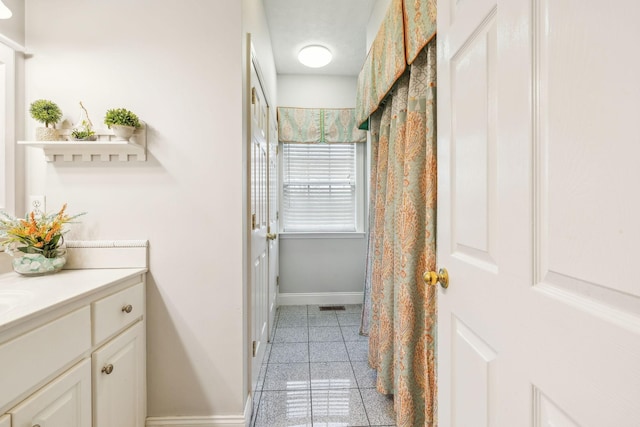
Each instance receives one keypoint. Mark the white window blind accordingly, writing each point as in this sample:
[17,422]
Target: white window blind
[319,187]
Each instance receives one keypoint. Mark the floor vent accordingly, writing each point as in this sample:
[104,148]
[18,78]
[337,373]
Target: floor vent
[332,308]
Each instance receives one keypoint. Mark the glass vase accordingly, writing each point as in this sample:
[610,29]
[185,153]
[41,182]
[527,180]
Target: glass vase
[37,264]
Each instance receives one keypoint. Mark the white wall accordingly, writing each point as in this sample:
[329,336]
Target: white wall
[179,66]
[313,264]
[12,29]
[316,91]
[377,15]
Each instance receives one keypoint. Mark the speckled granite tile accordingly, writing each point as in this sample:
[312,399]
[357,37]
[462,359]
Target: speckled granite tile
[287,376]
[379,407]
[328,352]
[284,409]
[261,374]
[352,333]
[291,335]
[332,408]
[324,333]
[347,319]
[293,309]
[289,353]
[292,321]
[358,350]
[267,353]
[322,320]
[256,402]
[365,376]
[353,308]
[332,375]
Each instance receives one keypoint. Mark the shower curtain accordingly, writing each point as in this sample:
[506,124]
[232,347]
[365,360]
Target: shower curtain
[399,311]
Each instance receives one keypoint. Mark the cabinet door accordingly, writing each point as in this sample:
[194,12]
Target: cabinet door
[119,380]
[5,421]
[65,402]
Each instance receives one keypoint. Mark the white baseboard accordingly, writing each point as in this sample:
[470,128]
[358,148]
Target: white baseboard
[320,298]
[206,421]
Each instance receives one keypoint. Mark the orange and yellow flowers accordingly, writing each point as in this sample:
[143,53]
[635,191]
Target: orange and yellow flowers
[36,233]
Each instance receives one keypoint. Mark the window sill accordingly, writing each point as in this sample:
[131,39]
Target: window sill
[322,235]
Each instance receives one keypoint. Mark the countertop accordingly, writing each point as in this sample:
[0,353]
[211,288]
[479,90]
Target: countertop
[22,298]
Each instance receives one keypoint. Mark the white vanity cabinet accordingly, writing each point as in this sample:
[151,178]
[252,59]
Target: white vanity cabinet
[119,365]
[64,402]
[79,362]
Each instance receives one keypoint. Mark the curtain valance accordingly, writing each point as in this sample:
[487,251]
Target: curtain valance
[318,125]
[406,29]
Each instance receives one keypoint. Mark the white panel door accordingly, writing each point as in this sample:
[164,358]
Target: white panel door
[65,402]
[119,380]
[259,223]
[272,229]
[538,209]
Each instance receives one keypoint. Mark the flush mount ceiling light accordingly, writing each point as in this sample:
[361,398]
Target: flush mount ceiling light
[5,12]
[315,56]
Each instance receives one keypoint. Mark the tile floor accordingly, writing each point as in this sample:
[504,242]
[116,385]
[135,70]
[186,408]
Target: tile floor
[315,373]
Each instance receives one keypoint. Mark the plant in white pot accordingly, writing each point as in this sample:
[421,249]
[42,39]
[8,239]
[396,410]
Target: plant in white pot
[49,113]
[122,121]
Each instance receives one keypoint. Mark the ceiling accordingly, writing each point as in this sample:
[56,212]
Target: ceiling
[340,25]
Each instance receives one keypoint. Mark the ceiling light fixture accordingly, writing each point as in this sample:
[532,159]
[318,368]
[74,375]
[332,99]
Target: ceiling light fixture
[315,56]
[5,12]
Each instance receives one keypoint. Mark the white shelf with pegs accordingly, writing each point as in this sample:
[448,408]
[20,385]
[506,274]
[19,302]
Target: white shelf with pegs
[105,148]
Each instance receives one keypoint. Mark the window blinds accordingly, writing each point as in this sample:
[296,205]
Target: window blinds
[319,187]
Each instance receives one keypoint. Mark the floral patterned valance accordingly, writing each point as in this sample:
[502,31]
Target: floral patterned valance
[406,29]
[318,125]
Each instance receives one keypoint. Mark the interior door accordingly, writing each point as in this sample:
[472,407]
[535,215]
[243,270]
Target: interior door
[272,229]
[538,211]
[259,224]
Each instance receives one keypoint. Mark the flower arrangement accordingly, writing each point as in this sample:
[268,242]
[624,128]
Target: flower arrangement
[38,237]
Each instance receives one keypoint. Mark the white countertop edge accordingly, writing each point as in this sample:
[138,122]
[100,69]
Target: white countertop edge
[35,296]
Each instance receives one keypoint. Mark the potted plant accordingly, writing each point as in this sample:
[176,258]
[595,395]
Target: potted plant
[36,242]
[122,121]
[84,132]
[49,113]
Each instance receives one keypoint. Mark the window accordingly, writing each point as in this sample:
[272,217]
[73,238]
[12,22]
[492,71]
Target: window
[321,187]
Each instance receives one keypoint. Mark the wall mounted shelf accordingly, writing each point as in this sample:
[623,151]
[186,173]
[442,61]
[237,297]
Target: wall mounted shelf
[105,148]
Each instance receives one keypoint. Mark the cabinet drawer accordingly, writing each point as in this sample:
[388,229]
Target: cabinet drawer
[31,358]
[5,421]
[116,312]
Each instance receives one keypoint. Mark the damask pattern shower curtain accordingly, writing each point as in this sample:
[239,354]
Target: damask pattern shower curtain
[402,244]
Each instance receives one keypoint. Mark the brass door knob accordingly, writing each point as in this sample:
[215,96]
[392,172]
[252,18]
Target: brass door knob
[127,308]
[272,236]
[442,277]
[108,369]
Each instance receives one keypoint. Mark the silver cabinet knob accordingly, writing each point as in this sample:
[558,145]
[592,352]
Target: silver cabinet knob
[127,308]
[108,369]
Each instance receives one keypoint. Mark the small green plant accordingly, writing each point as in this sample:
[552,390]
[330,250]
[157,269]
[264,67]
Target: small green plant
[46,112]
[85,131]
[121,117]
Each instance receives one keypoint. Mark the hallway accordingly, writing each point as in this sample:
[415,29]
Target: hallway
[315,373]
